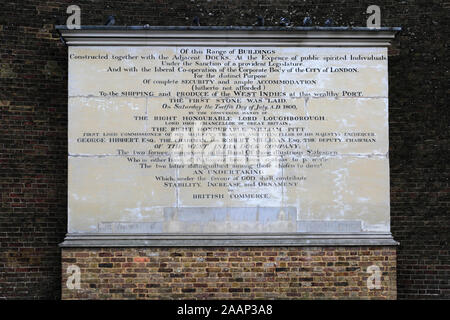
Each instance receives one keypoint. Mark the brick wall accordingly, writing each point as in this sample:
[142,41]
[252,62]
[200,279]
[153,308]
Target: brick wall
[230,273]
[33,132]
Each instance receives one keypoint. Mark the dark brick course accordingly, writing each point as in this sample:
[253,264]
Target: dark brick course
[33,126]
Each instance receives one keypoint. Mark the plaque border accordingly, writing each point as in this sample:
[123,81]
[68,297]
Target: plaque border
[228,36]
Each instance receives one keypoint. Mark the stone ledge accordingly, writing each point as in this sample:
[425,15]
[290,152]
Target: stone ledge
[227,36]
[229,240]
[230,28]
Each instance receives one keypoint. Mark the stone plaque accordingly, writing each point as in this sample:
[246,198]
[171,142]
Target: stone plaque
[228,138]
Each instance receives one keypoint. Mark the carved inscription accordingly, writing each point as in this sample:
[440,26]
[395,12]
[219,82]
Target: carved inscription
[300,132]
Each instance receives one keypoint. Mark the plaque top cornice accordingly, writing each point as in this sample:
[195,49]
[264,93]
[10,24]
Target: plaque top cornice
[227,36]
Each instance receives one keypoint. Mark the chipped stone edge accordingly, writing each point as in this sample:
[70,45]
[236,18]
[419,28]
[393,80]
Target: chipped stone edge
[74,240]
